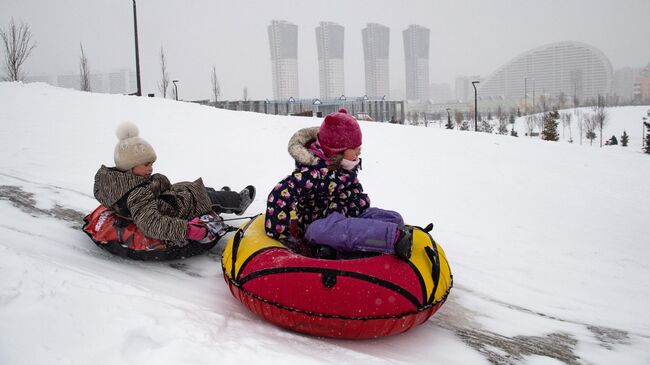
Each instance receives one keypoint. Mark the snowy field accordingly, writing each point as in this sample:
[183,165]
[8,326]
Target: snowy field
[548,241]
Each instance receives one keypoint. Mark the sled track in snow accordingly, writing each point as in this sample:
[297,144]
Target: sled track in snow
[504,350]
[25,202]
[51,186]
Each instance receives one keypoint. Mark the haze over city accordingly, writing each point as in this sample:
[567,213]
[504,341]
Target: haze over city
[466,37]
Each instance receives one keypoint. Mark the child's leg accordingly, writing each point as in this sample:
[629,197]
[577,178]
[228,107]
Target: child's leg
[224,201]
[383,215]
[227,201]
[353,234]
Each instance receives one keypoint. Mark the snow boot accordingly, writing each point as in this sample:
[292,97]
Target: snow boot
[247,196]
[324,252]
[404,243]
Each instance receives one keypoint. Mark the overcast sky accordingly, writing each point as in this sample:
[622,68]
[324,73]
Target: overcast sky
[467,37]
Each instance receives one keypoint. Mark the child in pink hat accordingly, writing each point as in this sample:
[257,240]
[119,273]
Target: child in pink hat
[322,202]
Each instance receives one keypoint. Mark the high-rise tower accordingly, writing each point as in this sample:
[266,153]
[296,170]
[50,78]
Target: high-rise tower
[376,39]
[329,42]
[416,57]
[283,41]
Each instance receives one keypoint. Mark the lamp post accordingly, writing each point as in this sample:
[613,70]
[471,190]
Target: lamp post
[175,88]
[526,95]
[448,116]
[383,108]
[534,104]
[363,104]
[291,101]
[137,53]
[266,106]
[316,103]
[475,106]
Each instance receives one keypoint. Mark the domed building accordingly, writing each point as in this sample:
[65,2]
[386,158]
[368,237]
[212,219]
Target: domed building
[569,68]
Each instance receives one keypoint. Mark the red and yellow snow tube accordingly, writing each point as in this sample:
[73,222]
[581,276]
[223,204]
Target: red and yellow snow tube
[358,298]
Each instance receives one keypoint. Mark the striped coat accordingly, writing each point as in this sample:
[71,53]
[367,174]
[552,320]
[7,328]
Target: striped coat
[158,208]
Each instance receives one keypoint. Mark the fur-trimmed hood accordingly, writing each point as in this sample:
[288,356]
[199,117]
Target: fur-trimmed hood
[298,146]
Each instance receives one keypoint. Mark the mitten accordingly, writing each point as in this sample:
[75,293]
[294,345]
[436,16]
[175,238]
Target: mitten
[196,229]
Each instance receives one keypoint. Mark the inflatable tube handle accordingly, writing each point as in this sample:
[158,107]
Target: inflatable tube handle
[432,254]
[235,245]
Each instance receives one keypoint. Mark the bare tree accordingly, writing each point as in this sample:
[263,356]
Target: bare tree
[503,124]
[500,114]
[17,42]
[581,118]
[539,121]
[543,102]
[591,123]
[84,73]
[566,122]
[561,100]
[164,81]
[600,116]
[458,116]
[216,87]
[530,124]
[423,117]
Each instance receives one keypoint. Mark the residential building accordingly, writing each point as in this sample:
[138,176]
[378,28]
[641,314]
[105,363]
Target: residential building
[39,78]
[416,58]
[376,39]
[440,93]
[69,81]
[569,68]
[121,82]
[464,88]
[283,42]
[329,43]
[623,82]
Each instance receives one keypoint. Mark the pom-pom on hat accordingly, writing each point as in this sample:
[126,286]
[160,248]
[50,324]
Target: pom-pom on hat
[339,132]
[131,150]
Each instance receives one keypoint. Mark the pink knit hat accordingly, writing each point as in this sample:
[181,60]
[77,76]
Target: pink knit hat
[338,133]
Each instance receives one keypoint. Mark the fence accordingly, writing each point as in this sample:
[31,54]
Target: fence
[377,110]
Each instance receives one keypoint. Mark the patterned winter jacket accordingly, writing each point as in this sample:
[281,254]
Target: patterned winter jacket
[158,208]
[312,191]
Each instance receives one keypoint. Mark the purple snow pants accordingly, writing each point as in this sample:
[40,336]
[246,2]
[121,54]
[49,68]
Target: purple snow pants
[375,230]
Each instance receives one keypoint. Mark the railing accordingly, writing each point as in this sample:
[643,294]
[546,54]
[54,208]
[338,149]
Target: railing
[377,110]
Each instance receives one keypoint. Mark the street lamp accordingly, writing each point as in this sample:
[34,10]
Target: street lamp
[526,95]
[316,103]
[448,116]
[175,88]
[475,106]
[266,106]
[291,101]
[383,108]
[534,103]
[363,105]
[137,53]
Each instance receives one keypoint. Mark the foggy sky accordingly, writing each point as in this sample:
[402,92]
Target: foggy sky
[467,37]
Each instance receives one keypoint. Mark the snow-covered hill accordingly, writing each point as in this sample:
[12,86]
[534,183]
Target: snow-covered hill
[548,241]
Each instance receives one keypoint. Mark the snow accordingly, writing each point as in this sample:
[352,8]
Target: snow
[547,241]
